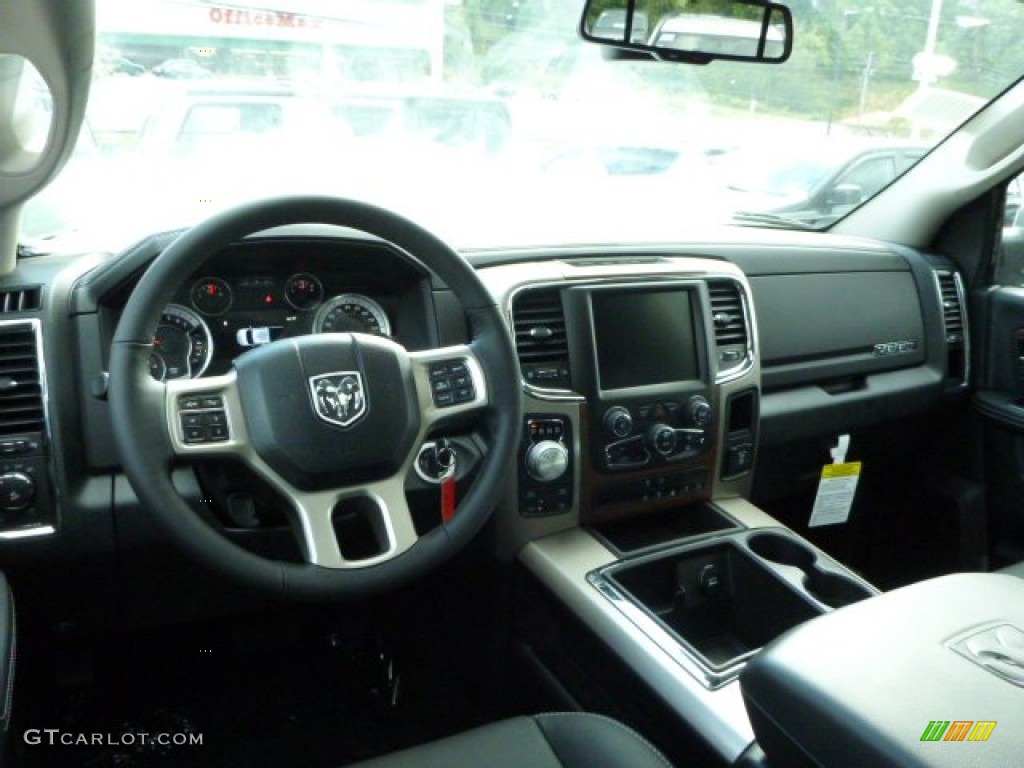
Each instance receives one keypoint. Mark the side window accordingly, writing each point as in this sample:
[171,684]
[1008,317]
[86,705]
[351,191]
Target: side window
[870,175]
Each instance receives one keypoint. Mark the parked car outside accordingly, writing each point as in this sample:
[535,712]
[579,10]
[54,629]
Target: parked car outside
[182,69]
[816,184]
[120,65]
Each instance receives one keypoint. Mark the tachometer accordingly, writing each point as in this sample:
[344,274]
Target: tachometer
[352,313]
[182,346]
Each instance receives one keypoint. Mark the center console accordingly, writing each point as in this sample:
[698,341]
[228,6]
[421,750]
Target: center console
[687,615]
[722,599]
[641,389]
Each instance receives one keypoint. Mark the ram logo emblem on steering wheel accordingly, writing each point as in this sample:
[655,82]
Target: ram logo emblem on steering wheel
[339,397]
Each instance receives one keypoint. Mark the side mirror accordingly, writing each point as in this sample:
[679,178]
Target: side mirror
[739,30]
[845,195]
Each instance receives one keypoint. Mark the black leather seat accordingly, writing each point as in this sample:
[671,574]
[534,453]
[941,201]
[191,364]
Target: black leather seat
[555,740]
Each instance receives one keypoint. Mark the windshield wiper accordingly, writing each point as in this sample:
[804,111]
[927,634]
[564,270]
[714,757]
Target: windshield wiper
[771,220]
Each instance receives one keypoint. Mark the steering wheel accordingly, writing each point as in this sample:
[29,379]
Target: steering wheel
[323,419]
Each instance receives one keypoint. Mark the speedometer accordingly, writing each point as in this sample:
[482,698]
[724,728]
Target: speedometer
[182,345]
[352,313]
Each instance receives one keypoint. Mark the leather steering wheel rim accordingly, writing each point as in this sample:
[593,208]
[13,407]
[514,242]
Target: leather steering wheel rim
[138,404]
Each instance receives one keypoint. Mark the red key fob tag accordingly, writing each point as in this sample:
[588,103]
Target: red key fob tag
[448,498]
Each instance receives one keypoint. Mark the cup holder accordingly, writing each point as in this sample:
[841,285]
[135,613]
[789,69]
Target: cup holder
[832,589]
[782,550]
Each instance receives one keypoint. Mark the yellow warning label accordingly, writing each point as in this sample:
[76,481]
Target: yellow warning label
[836,490]
[849,469]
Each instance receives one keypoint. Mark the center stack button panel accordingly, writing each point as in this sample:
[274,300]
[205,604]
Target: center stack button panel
[546,466]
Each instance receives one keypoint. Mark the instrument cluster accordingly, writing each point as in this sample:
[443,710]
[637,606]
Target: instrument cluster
[214,319]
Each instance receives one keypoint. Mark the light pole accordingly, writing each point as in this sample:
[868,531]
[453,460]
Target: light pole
[928,74]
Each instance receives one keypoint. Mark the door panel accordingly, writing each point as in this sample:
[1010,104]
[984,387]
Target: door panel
[1000,400]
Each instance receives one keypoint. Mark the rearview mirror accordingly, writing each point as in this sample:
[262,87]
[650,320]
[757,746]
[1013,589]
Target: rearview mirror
[735,30]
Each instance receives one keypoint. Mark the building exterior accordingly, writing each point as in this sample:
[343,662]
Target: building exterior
[403,39]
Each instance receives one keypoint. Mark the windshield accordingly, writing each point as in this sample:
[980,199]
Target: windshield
[492,123]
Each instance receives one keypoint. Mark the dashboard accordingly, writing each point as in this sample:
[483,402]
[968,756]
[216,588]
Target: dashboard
[653,379]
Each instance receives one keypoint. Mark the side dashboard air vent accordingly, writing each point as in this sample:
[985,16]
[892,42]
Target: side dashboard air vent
[952,308]
[543,348]
[26,299]
[955,325]
[21,389]
[730,323]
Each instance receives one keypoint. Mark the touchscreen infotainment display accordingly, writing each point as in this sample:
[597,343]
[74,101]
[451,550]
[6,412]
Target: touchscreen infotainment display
[644,337]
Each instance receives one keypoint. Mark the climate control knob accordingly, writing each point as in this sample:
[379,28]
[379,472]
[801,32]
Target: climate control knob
[699,412]
[618,421]
[661,439]
[17,491]
[547,461]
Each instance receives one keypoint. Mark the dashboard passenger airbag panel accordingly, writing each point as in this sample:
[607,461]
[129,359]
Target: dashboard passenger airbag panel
[819,327]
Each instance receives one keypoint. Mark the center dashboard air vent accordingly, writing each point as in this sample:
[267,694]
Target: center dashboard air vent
[541,344]
[728,315]
[955,325]
[21,389]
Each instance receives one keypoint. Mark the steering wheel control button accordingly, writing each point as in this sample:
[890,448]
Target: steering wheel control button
[203,419]
[216,433]
[191,420]
[451,383]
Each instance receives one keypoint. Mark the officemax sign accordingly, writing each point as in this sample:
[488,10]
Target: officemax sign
[245,18]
